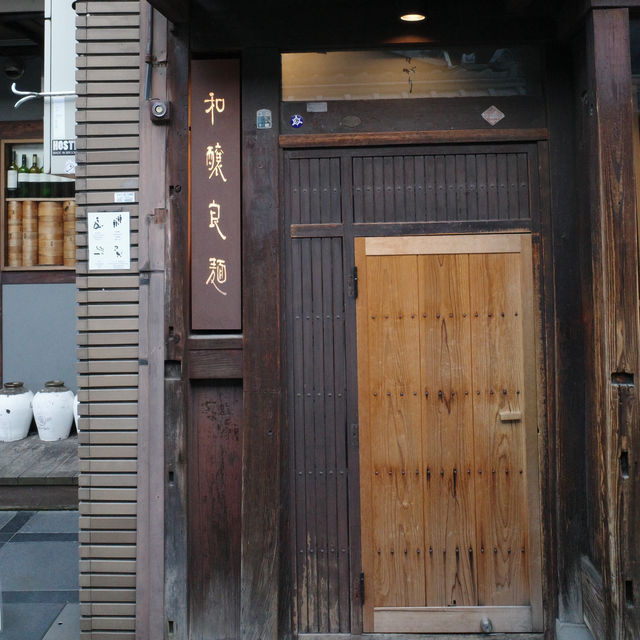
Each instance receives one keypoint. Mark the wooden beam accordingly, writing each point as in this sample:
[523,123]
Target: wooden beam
[261,350]
[150,507]
[293,141]
[612,357]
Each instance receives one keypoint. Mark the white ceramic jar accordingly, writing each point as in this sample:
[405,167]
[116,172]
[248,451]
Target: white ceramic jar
[76,411]
[15,411]
[53,411]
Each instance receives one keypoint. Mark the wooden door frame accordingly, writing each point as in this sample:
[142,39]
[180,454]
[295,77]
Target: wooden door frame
[543,292]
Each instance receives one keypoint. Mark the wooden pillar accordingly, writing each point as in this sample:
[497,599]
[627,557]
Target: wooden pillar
[613,442]
[151,255]
[176,330]
[261,349]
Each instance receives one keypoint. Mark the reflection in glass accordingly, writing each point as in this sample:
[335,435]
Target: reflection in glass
[425,73]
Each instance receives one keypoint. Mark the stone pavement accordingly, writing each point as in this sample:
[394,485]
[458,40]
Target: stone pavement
[39,575]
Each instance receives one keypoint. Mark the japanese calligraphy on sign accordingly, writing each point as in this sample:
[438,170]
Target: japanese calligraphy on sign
[215,195]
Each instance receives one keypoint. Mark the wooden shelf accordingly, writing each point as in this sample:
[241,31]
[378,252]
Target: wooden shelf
[65,199]
[41,267]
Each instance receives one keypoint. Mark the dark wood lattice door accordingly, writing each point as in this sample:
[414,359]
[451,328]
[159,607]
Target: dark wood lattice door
[448,444]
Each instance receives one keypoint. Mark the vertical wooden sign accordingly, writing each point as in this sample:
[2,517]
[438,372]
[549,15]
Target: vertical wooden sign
[216,266]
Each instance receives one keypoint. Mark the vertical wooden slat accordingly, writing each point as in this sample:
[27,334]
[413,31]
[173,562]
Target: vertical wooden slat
[512,185]
[501,514]
[388,195]
[305,191]
[335,208]
[524,208]
[309,438]
[440,184]
[295,196]
[297,421]
[447,426]
[502,180]
[341,437]
[358,189]
[399,185]
[420,210]
[393,433]
[409,191]
[493,211]
[483,186]
[450,187]
[462,208]
[378,185]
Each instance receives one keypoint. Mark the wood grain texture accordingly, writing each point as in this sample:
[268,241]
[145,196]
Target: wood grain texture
[612,303]
[480,491]
[448,437]
[261,354]
[215,482]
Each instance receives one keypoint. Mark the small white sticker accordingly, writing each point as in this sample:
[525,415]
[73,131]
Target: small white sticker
[493,115]
[124,196]
[263,119]
[109,241]
[316,107]
[70,166]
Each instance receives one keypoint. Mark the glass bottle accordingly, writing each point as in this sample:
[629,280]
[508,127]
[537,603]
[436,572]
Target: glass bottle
[23,172]
[34,178]
[45,185]
[12,177]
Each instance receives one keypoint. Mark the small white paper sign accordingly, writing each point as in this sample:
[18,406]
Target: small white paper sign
[124,196]
[57,118]
[109,240]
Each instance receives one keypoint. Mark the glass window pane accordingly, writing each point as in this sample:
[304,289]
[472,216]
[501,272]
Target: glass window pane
[424,73]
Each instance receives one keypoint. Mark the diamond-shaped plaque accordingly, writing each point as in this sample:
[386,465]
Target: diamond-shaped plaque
[493,115]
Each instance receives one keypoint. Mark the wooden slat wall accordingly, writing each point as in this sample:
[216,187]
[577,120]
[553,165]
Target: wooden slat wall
[107,141]
[462,186]
[318,424]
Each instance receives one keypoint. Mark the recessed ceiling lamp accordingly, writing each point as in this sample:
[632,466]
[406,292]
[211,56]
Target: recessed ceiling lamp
[412,11]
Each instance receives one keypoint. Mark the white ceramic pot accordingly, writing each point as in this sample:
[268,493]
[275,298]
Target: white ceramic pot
[53,411]
[76,412]
[15,411]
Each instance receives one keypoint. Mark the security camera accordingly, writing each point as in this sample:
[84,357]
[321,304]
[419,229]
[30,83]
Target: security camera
[13,69]
[160,111]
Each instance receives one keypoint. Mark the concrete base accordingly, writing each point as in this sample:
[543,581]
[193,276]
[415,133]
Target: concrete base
[571,631]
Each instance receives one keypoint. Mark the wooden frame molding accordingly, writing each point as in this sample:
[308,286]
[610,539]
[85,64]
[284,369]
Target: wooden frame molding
[310,141]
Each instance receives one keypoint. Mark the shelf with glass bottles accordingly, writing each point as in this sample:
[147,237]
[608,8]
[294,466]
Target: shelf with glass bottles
[38,212]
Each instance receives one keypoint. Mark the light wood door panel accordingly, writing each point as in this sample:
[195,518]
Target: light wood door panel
[449,486]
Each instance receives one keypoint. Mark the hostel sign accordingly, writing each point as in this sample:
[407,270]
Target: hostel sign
[215,196]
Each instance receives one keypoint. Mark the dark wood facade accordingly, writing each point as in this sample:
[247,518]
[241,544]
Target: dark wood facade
[258,491]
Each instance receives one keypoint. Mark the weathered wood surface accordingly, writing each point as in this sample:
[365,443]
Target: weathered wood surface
[610,302]
[176,322]
[215,498]
[261,497]
[32,461]
[318,217]
[292,140]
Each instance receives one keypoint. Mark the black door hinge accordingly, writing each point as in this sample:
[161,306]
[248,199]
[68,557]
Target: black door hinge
[355,282]
[362,588]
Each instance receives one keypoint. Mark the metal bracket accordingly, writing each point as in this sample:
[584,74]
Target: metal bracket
[29,95]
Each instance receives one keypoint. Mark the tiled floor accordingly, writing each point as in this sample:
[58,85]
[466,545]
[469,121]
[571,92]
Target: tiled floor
[39,575]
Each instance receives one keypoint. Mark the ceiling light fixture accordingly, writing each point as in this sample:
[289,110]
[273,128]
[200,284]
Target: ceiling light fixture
[412,11]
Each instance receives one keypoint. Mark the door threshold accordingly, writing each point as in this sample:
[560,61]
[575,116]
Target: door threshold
[419,636]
